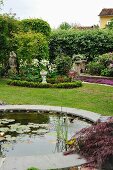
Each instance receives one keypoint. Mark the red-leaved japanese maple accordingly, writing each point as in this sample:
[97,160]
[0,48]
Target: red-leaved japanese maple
[95,143]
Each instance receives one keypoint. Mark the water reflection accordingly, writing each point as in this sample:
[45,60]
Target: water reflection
[35,133]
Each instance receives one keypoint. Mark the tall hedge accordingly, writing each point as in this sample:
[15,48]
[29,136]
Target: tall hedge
[31,46]
[36,25]
[91,43]
[8,26]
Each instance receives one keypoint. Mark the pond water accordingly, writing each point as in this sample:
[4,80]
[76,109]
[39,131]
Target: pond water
[26,134]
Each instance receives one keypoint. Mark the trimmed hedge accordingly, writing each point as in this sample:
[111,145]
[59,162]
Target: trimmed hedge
[68,85]
[91,43]
[44,85]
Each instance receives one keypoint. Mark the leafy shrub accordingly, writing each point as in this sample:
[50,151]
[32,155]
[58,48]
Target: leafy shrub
[31,46]
[107,72]
[111,72]
[103,65]
[63,64]
[44,85]
[95,68]
[28,73]
[52,74]
[105,59]
[58,79]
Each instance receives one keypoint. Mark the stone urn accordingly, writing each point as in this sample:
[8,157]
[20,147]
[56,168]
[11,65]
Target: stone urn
[43,74]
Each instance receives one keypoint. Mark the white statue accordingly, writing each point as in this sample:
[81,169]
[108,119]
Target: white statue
[12,60]
[13,63]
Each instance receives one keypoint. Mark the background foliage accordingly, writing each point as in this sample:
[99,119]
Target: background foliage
[36,25]
[31,46]
[91,43]
[8,26]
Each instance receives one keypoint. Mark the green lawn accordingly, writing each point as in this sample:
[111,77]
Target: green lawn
[93,97]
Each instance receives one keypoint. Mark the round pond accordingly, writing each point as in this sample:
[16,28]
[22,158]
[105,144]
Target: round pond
[25,134]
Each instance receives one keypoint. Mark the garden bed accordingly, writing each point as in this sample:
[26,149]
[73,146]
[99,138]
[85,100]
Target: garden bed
[97,79]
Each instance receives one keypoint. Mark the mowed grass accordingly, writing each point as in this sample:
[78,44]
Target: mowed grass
[92,97]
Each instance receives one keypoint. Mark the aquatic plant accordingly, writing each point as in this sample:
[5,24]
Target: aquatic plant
[62,133]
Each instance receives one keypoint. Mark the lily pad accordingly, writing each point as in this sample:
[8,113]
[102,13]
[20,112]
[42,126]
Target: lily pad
[10,138]
[5,129]
[42,131]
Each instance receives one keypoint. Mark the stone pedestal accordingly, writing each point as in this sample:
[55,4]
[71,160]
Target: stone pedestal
[43,73]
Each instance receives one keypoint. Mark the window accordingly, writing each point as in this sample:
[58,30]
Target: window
[108,22]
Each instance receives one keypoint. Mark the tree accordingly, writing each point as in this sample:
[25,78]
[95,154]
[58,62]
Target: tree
[110,25]
[1,3]
[31,46]
[8,26]
[36,25]
[95,143]
[65,26]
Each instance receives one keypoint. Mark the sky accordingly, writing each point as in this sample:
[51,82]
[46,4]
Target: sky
[81,12]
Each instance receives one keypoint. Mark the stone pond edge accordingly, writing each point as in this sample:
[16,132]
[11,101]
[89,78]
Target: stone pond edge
[88,115]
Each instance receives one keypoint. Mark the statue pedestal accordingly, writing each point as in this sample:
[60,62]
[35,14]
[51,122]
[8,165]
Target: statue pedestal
[43,73]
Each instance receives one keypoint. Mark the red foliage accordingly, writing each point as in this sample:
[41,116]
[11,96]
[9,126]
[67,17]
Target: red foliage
[96,143]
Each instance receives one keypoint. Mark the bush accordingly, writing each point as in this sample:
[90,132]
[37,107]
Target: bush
[94,68]
[107,72]
[58,79]
[95,143]
[28,73]
[106,59]
[31,46]
[44,85]
[63,64]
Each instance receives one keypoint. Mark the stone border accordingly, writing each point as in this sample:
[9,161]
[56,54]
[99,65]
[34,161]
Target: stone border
[88,115]
[50,161]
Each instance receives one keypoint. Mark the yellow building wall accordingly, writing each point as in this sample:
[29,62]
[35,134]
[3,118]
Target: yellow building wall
[104,20]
